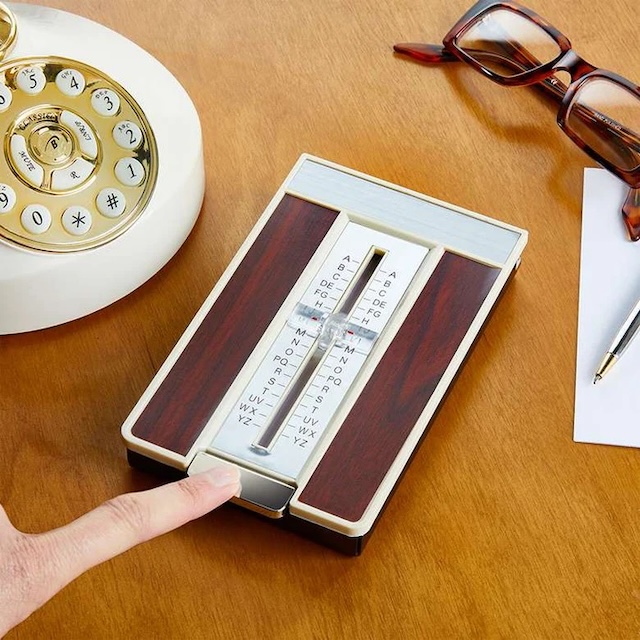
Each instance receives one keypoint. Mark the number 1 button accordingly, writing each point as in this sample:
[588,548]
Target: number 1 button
[129,172]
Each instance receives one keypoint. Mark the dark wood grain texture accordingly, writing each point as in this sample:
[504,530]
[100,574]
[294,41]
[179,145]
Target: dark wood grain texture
[379,423]
[191,391]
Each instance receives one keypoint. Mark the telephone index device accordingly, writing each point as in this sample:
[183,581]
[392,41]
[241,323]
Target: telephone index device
[101,168]
[318,361]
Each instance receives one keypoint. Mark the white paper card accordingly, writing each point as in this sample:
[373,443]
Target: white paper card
[607,412]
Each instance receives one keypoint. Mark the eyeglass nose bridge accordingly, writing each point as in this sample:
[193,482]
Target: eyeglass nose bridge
[574,65]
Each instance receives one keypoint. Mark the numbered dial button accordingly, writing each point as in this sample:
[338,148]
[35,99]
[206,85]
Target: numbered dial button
[111,203]
[129,172]
[36,219]
[7,198]
[70,82]
[76,220]
[127,135]
[6,97]
[105,102]
[31,80]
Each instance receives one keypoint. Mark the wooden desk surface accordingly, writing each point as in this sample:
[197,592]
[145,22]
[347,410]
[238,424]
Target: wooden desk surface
[502,527]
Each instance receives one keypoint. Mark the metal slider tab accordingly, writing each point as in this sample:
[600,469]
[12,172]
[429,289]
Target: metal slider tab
[259,493]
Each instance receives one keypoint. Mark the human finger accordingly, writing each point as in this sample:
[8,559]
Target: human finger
[129,519]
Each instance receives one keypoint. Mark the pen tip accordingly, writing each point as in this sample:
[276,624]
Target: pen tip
[597,378]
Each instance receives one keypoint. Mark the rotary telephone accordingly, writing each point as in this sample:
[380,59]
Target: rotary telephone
[101,167]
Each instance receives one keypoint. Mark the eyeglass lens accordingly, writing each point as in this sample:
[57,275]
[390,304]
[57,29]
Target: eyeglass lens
[603,114]
[600,101]
[507,43]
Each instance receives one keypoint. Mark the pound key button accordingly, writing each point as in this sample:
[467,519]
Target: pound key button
[111,203]
[26,166]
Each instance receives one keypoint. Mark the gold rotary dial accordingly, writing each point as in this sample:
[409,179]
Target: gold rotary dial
[80,156]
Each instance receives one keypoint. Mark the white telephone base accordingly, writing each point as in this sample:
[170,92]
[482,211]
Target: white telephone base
[101,171]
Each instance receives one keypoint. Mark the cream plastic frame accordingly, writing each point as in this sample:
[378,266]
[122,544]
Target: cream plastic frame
[516,240]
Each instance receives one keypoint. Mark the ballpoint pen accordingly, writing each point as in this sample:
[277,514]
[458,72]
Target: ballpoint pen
[620,343]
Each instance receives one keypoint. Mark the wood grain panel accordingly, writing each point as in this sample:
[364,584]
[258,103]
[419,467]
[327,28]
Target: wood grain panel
[383,416]
[192,390]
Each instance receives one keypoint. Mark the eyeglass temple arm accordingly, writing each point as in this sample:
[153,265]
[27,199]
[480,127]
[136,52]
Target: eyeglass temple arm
[631,213]
[552,87]
[437,54]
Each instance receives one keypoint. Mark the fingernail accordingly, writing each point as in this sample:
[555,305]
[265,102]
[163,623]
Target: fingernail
[223,475]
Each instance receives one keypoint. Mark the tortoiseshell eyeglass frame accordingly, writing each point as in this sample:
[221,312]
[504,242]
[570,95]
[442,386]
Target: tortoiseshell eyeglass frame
[529,71]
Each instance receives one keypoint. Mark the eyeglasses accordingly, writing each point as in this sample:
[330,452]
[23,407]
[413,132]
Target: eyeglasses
[513,46]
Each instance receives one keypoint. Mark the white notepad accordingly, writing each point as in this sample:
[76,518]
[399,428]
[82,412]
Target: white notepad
[608,412]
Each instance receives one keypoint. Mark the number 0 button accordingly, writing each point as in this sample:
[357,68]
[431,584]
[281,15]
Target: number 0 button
[35,218]
[129,172]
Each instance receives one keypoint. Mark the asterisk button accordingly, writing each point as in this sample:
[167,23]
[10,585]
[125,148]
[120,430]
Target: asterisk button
[76,220]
